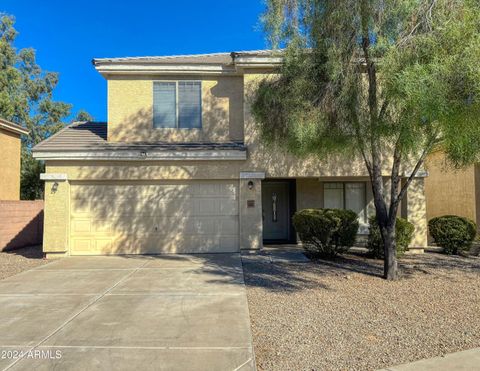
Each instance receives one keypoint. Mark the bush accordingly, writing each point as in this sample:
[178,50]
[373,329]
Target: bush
[453,233]
[404,231]
[326,232]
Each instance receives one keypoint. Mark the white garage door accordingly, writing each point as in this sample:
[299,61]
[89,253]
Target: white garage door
[141,218]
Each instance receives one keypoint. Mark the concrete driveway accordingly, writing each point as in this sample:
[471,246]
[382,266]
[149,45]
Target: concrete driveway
[170,312]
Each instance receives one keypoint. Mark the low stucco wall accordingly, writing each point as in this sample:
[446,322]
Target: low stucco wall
[21,224]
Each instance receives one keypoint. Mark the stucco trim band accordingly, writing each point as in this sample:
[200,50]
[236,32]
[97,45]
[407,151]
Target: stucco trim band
[419,174]
[143,155]
[53,176]
[252,175]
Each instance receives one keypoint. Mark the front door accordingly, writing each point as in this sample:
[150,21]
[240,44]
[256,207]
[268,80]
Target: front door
[276,211]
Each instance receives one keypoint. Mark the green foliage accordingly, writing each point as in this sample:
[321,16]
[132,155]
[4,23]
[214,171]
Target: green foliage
[427,87]
[404,231]
[454,233]
[326,232]
[32,187]
[26,99]
[83,115]
[384,81]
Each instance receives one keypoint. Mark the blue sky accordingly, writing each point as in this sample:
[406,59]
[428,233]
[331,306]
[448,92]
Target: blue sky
[68,34]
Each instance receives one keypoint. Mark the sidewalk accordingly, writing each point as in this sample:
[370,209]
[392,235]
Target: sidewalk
[466,360]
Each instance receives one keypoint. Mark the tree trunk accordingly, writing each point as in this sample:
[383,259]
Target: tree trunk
[390,266]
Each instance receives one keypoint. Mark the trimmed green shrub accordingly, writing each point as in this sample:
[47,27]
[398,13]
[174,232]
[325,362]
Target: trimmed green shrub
[404,231]
[454,233]
[326,232]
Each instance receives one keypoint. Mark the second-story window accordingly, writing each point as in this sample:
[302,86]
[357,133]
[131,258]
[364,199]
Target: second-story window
[177,104]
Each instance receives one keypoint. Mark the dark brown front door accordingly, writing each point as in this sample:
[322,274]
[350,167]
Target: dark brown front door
[276,211]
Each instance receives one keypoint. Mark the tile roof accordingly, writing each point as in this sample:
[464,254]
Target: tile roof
[92,136]
[211,58]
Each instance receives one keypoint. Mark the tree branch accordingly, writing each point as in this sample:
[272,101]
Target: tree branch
[420,162]
[426,19]
[395,179]
[383,110]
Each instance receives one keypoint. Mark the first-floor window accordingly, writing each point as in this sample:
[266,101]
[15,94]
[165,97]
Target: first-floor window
[177,104]
[346,195]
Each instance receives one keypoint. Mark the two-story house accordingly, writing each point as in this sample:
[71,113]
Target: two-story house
[179,166]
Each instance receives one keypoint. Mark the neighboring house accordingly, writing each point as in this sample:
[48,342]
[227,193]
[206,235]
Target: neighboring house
[11,149]
[180,168]
[450,191]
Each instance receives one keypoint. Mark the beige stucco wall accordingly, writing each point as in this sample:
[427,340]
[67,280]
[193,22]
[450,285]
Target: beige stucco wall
[130,110]
[416,210]
[56,217]
[250,218]
[277,163]
[10,165]
[449,191]
[226,116]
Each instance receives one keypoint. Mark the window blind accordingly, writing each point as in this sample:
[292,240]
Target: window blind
[164,105]
[189,105]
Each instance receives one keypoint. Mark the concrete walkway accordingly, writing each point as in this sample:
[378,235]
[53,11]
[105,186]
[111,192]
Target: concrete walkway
[461,361]
[171,312]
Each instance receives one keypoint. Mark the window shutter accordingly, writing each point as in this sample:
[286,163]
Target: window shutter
[164,105]
[189,105]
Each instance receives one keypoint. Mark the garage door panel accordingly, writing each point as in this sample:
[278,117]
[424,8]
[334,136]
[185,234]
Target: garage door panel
[82,226]
[165,226]
[85,226]
[154,218]
[129,245]
[167,191]
[187,206]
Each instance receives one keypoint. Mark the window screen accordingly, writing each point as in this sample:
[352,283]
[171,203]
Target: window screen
[355,198]
[164,105]
[189,105]
[349,196]
[333,195]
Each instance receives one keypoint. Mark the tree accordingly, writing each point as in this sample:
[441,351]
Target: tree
[26,99]
[83,115]
[381,80]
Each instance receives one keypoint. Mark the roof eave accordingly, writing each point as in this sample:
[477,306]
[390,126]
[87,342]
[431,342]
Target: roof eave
[150,66]
[13,128]
[114,68]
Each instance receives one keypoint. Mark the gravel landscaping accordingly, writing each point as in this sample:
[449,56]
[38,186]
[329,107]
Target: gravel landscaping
[341,315]
[16,261]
